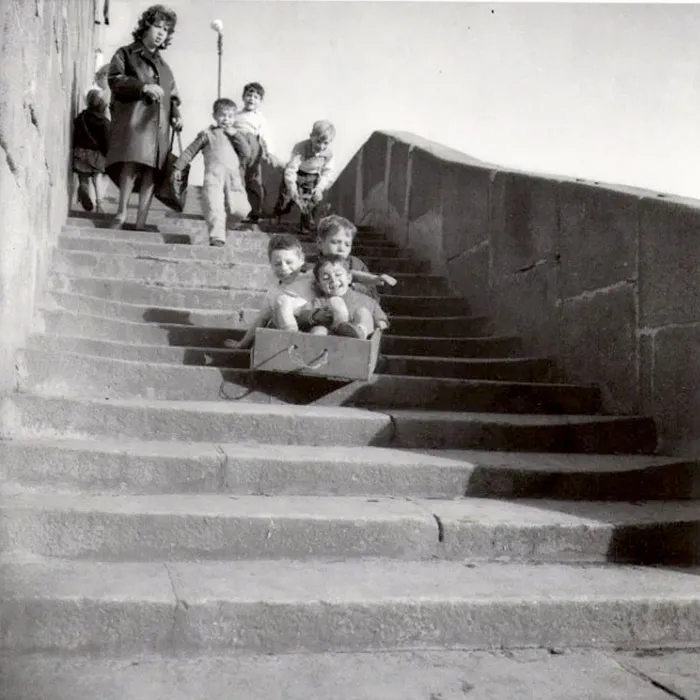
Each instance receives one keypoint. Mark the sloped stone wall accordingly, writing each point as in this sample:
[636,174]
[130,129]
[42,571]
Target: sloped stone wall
[603,278]
[46,54]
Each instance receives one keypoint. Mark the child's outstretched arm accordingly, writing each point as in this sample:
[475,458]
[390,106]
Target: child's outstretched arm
[365,277]
[191,151]
[325,179]
[291,172]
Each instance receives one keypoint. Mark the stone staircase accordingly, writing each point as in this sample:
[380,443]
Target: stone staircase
[158,498]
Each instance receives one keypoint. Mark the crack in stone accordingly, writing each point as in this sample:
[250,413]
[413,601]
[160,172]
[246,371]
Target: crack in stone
[11,163]
[440,527]
[648,679]
[222,485]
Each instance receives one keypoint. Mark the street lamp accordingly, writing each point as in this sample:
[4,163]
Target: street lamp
[218,26]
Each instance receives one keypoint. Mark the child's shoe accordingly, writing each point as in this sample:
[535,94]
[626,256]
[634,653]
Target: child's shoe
[351,330]
[217,242]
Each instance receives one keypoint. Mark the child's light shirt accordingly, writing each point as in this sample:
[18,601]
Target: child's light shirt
[303,158]
[254,122]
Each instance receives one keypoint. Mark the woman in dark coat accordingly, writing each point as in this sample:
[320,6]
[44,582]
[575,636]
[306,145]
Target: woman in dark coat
[145,105]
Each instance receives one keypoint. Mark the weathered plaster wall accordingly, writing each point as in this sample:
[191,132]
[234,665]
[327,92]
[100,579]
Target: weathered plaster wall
[46,55]
[604,278]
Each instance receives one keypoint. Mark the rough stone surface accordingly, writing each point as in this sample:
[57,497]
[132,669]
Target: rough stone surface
[446,675]
[598,237]
[598,343]
[49,46]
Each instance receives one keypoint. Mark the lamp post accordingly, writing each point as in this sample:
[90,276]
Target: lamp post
[218,26]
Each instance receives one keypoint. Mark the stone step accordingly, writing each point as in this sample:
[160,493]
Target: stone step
[113,527]
[27,415]
[520,369]
[143,293]
[446,326]
[301,470]
[527,370]
[195,230]
[59,322]
[237,250]
[527,433]
[283,606]
[402,675]
[52,373]
[205,273]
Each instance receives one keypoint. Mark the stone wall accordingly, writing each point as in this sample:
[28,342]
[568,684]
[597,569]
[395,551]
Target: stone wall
[46,55]
[603,278]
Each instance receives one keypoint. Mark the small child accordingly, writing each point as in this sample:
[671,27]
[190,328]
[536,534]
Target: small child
[335,236]
[253,145]
[307,175]
[286,258]
[222,168]
[339,308]
[90,146]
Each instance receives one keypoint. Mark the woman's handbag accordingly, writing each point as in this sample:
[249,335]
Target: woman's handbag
[169,190]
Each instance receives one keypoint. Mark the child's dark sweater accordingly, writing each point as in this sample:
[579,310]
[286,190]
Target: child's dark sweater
[91,131]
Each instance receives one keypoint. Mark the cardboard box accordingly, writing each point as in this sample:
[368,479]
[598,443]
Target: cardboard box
[329,356]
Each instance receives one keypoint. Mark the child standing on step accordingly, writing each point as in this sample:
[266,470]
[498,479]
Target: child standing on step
[335,236]
[338,308]
[90,146]
[253,145]
[286,258]
[222,168]
[307,175]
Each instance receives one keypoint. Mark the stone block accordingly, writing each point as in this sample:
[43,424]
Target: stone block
[426,184]
[343,194]
[597,237]
[425,240]
[468,276]
[669,259]
[523,225]
[398,176]
[598,343]
[673,385]
[528,306]
[465,207]
[374,157]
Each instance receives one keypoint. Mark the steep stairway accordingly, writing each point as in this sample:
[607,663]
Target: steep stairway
[158,497]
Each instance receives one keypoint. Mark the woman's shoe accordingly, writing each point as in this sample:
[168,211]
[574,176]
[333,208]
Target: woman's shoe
[117,224]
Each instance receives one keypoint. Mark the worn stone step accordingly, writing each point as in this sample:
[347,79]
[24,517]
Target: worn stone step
[291,606]
[25,415]
[112,527]
[52,373]
[301,470]
[142,293]
[527,433]
[403,675]
[447,326]
[244,249]
[484,346]
[176,467]
[519,369]
[59,322]
[178,272]
[189,230]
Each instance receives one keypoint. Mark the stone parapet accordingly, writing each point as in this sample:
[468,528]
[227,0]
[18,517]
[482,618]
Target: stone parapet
[601,277]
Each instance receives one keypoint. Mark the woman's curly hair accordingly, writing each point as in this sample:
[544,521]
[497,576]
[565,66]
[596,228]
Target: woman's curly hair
[154,14]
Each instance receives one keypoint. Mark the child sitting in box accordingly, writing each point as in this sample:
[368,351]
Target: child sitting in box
[335,236]
[286,258]
[338,308]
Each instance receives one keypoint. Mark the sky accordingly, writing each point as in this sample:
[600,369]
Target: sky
[603,92]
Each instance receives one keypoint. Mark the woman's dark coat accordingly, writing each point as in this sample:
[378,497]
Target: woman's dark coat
[140,130]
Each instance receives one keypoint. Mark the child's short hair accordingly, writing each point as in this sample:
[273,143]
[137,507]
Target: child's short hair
[95,101]
[284,241]
[329,225]
[323,127]
[254,87]
[223,103]
[329,260]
